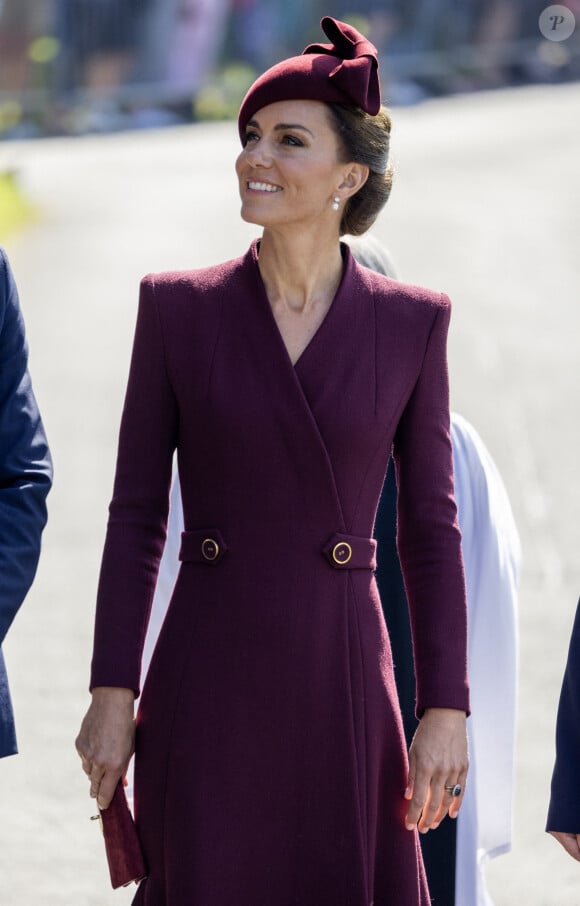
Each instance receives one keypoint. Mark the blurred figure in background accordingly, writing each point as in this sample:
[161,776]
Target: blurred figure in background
[254,33]
[99,40]
[123,64]
[260,31]
[181,43]
[25,480]
[496,27]
[197,39]
[20,23]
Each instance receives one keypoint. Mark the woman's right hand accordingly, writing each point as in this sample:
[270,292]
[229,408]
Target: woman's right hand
[106,740]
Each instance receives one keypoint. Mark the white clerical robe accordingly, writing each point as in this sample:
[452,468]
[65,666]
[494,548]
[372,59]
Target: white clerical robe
[491,551]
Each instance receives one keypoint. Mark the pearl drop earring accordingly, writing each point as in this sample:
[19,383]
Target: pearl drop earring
[335,203]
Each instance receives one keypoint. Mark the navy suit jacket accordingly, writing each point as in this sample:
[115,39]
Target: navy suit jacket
[25,480]
[564,810]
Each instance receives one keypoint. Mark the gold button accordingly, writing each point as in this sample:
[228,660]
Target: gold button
[209,549]
[341,553]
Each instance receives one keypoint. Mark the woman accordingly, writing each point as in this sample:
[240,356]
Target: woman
[271,762]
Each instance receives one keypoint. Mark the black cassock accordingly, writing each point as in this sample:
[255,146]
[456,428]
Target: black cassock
[439,846]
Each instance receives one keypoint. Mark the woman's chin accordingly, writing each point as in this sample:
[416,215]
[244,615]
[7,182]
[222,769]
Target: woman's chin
[250,217]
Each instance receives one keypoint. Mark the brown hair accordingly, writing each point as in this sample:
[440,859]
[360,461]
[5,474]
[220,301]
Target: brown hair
[364,139]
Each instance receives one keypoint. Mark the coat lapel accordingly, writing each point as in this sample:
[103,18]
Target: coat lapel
[291,409]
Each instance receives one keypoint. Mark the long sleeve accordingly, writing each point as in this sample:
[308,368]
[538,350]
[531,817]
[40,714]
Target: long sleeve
[138,510]
[25,463]
[428,535]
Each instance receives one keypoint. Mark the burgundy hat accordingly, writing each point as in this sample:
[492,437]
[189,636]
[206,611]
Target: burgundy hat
[344,72]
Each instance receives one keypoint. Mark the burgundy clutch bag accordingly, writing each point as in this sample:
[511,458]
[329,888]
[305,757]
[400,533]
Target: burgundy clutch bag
[122,845]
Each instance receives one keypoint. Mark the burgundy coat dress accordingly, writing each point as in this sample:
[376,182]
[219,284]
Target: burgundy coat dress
[271,762]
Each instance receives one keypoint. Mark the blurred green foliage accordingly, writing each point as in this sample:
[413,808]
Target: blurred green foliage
[220,99]
[15,210]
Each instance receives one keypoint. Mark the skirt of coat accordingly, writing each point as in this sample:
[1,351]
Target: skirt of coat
[270,762]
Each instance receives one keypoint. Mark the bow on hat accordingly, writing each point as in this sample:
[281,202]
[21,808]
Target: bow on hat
[344,72]
[357,74]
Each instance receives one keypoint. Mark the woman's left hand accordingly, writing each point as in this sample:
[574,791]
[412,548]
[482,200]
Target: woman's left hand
[438,759]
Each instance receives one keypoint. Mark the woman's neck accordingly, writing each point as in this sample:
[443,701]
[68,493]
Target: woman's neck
[299,274]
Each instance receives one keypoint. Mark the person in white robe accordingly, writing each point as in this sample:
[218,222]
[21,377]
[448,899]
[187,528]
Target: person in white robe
[492,557]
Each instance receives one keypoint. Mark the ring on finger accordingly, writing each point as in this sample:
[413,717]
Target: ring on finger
[453,789]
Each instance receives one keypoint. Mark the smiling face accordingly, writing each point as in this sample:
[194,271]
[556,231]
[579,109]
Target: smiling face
[289,170]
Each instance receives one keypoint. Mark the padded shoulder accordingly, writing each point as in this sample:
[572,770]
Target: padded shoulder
[394,291]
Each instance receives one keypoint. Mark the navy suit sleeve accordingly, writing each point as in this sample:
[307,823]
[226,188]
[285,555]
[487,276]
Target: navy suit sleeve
[564,810]
[25,464]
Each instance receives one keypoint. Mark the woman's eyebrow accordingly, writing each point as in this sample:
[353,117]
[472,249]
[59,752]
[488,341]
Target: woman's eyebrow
[281,126]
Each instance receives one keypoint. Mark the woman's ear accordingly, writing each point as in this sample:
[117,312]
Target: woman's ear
[354,179]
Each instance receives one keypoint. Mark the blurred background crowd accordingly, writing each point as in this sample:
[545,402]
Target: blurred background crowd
[77,66]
